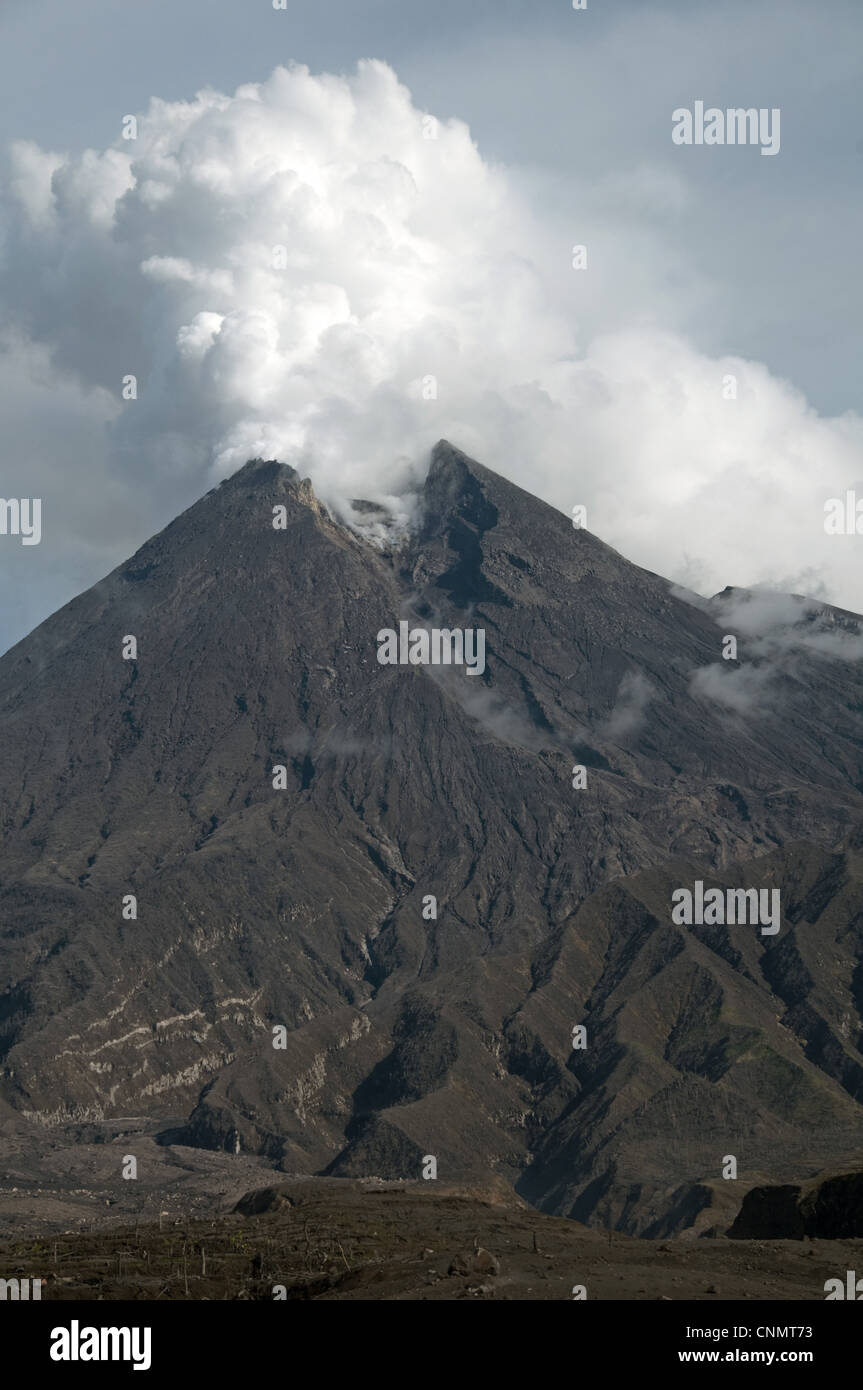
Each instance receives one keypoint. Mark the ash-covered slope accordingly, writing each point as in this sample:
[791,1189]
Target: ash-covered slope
[304,906]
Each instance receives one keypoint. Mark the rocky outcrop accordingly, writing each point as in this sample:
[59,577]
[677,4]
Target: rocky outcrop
[826,1208]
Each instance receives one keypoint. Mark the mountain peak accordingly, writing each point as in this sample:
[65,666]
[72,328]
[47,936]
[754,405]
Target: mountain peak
[446,458]
[263,471]
[210,735]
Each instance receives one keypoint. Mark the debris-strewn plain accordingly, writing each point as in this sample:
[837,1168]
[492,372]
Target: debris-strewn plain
[337,1239]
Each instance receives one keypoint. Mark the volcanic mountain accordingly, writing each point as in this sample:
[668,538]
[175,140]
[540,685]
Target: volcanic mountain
[286,900]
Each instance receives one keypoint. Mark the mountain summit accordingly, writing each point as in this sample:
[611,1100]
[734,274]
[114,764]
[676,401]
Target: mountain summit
[288,900]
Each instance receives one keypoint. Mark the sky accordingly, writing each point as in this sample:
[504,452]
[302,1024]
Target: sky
[345,230]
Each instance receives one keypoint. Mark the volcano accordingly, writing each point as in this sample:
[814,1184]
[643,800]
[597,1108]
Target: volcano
[286,900]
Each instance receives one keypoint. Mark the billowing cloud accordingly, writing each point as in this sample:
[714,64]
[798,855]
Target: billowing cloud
[779,634]
[314,269]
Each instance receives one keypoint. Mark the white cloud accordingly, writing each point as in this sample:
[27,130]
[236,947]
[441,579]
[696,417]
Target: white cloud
[405,259]
[634,694]
[780,634]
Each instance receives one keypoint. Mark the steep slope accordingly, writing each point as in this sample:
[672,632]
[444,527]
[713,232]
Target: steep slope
[303,906]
